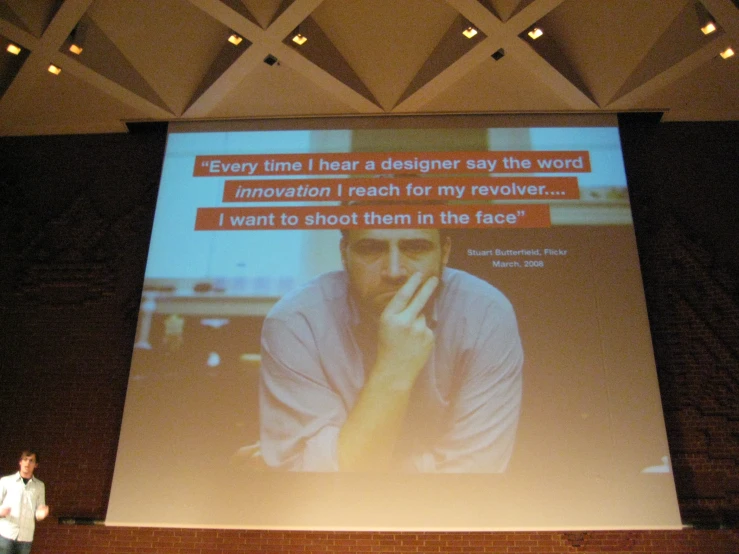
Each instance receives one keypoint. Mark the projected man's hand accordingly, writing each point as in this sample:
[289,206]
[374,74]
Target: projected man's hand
[404,339]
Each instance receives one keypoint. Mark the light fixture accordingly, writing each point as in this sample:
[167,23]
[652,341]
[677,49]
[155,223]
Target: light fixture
[13,49]
[76,38]
[498,54]
[706,22]
[299,39]
[535,33]
[469,32]
[270,60]
[54,69]
[235,39]
[726,54]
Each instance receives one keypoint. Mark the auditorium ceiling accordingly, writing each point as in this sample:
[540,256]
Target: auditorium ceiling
[164,60]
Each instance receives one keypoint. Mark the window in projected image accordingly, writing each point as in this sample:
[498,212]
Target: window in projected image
[423,318]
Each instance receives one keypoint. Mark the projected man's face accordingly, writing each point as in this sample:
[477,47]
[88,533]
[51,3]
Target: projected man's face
[379,261]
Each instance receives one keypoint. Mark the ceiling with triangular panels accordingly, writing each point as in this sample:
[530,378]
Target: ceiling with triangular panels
[166,60]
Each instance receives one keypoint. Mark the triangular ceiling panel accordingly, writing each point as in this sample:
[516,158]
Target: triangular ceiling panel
[505,9]
[229,54]
[502,86]
[548,48]
[35,15]
[102,56]
[277,90]
[6,14]
[681,39]
[452,46]
[399,44]
[604,47]
[696,96]
[184,49]
[259,13]
[319,50]
[265,11]
[56,103]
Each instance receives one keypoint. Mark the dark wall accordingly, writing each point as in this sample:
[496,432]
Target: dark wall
[686,172]
[75,217]
[75,213]
[682,178]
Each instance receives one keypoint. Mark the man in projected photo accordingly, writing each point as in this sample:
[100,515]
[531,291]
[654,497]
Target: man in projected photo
[396,363]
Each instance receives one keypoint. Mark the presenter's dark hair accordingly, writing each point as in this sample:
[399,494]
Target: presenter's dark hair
[30,452]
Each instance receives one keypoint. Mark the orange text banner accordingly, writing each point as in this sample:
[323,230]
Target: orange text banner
[398,163]
[380,216]
[407,189]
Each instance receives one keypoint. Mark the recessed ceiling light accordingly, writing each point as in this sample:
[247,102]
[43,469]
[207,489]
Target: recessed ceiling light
[535,33]
[235,39]
[708,28]
[469,32]
[299,39]
[54,69]
[726,54]
[75,49]
[13,49]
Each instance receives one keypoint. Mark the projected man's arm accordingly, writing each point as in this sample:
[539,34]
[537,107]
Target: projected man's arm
[484,413]
[367,439]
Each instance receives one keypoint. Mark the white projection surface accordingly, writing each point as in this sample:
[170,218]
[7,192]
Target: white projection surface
[290,370]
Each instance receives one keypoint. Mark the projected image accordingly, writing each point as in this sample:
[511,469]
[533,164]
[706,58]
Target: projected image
[393,313]
[394,361]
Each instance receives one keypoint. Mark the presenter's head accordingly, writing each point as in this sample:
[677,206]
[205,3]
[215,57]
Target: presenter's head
[28,463]
[379,261]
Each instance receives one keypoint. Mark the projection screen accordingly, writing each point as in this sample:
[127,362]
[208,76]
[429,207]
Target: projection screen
[394,324]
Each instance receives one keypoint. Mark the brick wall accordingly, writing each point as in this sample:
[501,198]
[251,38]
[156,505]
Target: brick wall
[75,215]
[685,209]
[96,540]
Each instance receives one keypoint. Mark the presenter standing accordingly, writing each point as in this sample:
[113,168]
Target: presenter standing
[22,503]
